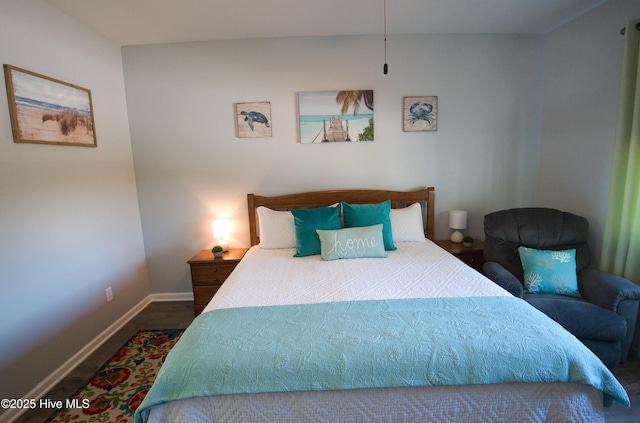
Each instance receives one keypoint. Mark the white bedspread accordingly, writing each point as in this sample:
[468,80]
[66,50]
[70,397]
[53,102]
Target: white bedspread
[414,270]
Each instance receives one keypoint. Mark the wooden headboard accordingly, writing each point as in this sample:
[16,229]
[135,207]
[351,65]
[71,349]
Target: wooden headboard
[399,199]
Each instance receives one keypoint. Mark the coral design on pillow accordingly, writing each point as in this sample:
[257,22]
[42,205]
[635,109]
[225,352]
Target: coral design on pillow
[549,272]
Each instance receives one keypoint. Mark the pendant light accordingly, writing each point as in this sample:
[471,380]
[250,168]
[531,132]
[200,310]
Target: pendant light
[385,68]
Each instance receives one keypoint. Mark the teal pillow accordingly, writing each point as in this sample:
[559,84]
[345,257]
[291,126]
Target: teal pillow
[356,215]
[549,272]
[307,221]
[348,243]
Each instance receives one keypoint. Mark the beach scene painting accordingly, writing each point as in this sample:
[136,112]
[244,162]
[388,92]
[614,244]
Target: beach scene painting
[253,119]
[335,116]
[420,114]
[48,111]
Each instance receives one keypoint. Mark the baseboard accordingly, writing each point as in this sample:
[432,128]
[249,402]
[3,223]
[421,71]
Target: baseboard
[172,296]
[57,375]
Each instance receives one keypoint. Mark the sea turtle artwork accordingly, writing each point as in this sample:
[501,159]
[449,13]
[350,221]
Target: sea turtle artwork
[254,120]
[258,117]
[420,113]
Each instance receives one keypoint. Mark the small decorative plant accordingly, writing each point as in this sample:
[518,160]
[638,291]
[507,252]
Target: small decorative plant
[467,241]
[217,251]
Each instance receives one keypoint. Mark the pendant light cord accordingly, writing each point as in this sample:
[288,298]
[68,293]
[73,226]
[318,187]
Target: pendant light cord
[385,68]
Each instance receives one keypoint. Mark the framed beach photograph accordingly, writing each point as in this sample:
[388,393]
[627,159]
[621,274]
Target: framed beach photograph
[420,113]
[253,119]
[48,111]
[335,116]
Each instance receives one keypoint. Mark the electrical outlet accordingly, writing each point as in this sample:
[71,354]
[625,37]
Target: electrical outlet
[109,293]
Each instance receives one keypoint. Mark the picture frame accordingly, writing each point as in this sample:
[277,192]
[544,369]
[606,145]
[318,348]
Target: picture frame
[335,116]
[45,110]
[420,113]
[253,120]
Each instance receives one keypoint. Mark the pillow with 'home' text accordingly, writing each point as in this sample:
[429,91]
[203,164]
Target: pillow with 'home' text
[348,243]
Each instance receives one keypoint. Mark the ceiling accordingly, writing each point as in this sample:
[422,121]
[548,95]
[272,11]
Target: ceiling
[131,22]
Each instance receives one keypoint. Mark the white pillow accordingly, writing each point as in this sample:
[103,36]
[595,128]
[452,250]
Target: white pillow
[406,224]
[277,229]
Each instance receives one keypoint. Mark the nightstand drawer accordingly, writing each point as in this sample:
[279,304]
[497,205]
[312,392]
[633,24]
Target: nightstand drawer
[473,260]
[207,274]
[203,294]
[472,256]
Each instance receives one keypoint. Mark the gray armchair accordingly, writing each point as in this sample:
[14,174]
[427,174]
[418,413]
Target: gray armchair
[603,318]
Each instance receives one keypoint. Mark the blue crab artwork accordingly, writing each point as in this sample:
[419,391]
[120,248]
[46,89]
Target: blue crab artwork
[251,117]
[421,111]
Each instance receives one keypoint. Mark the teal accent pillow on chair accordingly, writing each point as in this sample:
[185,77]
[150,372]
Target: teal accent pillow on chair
[549,272]
[307,221]
[356,215]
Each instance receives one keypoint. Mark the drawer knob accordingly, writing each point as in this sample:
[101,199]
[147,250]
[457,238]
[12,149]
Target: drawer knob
[214,270]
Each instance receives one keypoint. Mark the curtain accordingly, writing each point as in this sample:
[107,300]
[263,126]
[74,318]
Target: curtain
[621,238]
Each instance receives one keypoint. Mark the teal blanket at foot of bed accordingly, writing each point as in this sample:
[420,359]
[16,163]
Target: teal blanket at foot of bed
[370,344]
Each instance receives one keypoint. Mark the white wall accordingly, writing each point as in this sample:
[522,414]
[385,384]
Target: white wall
[69,217]
[583,62]
[190,167]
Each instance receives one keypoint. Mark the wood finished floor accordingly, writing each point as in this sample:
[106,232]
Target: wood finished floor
[157,315]
[179,314]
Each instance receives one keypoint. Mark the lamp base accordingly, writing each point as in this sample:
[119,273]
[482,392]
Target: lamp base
[456,236]
[223,243]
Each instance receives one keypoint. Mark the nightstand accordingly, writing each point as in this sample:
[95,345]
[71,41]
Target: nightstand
[473,256]
[209,273]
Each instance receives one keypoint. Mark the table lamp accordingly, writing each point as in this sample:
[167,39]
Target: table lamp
[457,221]
[222,230]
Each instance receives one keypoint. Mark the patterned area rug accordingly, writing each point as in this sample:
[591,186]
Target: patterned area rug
[117,389]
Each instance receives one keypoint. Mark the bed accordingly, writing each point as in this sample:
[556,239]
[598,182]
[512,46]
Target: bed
[369,321]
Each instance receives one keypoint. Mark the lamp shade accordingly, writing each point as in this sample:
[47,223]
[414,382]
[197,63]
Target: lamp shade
[221,228]
[457,219]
